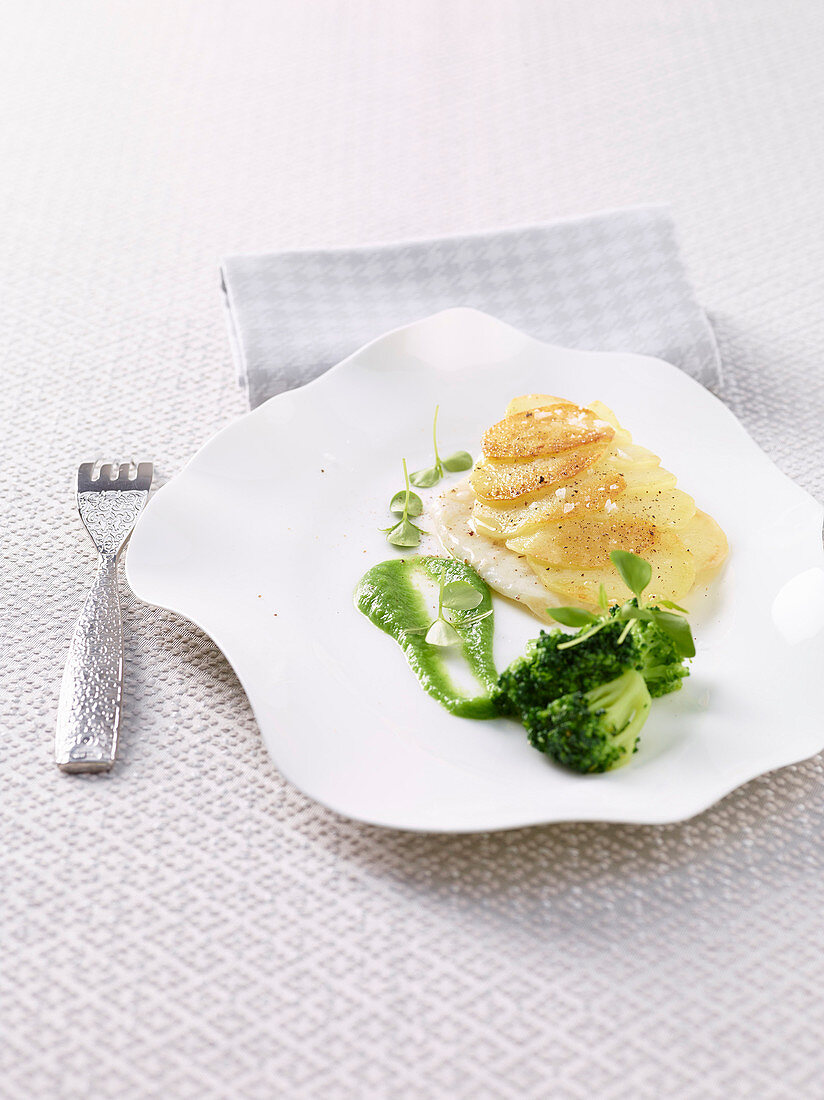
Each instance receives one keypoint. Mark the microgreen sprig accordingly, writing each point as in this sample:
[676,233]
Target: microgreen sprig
[455,596]
[460,460]
[636,574]
[404,503]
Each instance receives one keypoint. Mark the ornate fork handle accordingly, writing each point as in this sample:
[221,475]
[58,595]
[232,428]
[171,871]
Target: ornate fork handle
[88,715]
[91,696]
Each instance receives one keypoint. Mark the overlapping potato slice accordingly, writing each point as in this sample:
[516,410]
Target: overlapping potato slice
[705,541]
[659,504]
[630,456]
[604,412]
[501,481]
[672,578]
[638,494]
[544,431]
[601,411]
[534,401]
[594,490]
[587,544]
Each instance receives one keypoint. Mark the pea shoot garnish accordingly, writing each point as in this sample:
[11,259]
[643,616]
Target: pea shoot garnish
[636,575]
[457,596]
[404,503]
[460,460]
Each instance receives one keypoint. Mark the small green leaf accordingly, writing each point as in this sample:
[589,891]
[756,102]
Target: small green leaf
[425,479]
[413,508]
[603,601]
[678,630]
[627,613]
[635,572]
[476,618]
[461,596]
[572,616]
[461,460]
[442,633]
[674,606]
[404,534]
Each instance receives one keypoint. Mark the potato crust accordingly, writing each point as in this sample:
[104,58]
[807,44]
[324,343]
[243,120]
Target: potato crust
[558,487]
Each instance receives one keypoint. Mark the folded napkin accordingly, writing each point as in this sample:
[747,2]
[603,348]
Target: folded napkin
[607,282]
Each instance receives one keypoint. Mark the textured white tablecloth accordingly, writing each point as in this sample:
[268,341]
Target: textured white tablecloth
[190,926]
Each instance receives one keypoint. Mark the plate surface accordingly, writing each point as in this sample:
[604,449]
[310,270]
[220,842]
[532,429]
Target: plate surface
[263,536]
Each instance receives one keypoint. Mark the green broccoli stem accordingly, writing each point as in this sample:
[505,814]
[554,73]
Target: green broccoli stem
[661,672]
[623,706]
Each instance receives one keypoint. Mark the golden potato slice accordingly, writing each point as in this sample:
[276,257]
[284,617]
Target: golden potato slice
[574,586]
[592,490]
[604,412]
[665,507]
[705,542]
[630,456]
[587,543]
[622,438]
[595,488]
[502,481]
[646,479]
[672,578]
[545,400]
[534,401]
[658,504]
[545,430]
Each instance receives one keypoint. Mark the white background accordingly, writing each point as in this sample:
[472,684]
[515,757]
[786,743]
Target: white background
[190,926]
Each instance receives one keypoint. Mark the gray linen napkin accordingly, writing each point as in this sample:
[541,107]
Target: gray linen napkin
[608,282]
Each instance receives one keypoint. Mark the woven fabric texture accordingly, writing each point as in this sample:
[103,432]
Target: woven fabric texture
[189,926]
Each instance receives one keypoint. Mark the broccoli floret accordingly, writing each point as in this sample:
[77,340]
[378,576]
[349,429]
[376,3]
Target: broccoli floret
[657,658]
[546,671]
[584,697]
[592,731]
[551,667]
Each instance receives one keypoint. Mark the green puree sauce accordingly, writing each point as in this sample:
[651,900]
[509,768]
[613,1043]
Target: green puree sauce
[390,594]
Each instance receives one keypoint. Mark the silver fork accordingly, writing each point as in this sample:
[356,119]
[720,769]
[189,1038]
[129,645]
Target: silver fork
[88,715]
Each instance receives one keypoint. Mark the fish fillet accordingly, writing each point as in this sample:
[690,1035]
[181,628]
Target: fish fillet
[504,571]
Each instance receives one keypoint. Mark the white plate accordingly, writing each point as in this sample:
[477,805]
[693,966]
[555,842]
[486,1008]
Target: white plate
[263,536]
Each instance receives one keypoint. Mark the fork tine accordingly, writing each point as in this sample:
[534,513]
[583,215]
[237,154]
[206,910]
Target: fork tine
[107,471]
[84,477]
[125,473]
[144,475]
